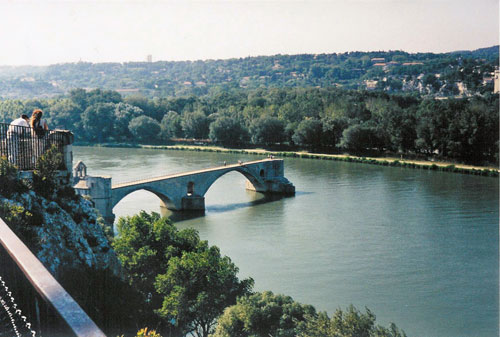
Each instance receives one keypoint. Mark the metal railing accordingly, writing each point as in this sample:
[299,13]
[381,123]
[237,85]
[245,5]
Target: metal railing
[22,146]
[51,311]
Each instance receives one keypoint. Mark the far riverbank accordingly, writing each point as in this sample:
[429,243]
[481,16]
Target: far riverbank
[384,161]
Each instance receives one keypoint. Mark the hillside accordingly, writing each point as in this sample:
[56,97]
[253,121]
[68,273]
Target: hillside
[445,74]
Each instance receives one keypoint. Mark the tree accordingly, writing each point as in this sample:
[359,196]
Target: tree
[227,131]
[197,287]
[432,129]
[98,121]
[9,182]
[146,105]
[195,125]
[103,96]
[10,110]
[308,133]
[472,131]
[360,137]
[144,128]
[349,323]
[264,314]
[65,114]
[144,245]
[267,130]
[124,113]
[397,124]
[84,98]
[193,282]
[332,130]
[171,125]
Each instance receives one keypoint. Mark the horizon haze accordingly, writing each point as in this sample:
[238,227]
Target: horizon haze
[66,31]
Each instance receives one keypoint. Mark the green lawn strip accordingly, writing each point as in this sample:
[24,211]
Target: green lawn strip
[417,164]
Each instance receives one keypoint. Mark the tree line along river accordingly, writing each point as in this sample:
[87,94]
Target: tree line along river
[417,247]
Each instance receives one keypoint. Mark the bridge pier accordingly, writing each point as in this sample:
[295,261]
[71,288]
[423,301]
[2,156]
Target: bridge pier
[193,203]
[275,186]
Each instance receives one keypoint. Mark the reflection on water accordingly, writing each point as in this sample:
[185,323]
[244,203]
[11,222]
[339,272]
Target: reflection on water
[419,248]
[255,199]
[259,199]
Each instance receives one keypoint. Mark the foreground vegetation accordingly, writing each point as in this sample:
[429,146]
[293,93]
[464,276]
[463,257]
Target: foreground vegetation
[320,120]
[189,288]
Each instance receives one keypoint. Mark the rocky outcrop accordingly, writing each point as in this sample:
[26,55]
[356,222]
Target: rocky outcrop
[64,235]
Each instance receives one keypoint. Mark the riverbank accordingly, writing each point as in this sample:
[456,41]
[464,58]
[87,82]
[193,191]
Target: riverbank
[384,161]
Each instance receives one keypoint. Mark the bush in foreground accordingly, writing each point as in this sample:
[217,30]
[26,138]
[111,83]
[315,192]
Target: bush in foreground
[265,314]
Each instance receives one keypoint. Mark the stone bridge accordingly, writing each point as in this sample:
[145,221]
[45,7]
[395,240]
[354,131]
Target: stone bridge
[185,191]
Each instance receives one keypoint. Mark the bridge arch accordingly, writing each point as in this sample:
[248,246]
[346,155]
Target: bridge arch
[256,181]
[165,200]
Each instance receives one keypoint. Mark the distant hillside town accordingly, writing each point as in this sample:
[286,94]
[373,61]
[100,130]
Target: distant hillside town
[453,74]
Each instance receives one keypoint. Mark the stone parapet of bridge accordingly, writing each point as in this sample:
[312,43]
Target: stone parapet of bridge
[186,191]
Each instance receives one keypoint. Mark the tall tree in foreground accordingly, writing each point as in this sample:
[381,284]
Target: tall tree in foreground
[196,289]
[183,280]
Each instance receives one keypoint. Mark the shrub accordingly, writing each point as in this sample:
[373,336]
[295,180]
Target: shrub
[9,182]
[44,176]
[145,333]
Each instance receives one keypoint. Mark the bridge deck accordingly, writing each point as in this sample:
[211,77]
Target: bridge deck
[176,175]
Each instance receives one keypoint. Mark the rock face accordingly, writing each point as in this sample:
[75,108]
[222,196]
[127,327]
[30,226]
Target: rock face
[67,235]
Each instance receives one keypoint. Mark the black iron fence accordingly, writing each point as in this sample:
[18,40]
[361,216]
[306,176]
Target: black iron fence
[22,146]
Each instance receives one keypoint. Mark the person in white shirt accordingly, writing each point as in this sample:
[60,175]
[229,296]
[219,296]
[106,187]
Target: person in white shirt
[17,129]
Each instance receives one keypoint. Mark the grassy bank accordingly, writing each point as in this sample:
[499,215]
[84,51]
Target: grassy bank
[384,161]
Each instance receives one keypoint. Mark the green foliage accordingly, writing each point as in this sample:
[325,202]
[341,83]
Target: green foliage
[65,114]
[147,333]
[144,128]
[332,130]
[264,314]
[124,113]
[98,121]
[145,243]
[195,125]
[45,173]
[227,131]
[360,137]
[9,183]
[267,130]
[325,118]
[308,133]
[349,323]
[171,125]
[22,221]
[197,286]
[186,281]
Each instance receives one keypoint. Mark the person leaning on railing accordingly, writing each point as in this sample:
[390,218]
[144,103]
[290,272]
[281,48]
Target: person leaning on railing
[39,129]
[14,135]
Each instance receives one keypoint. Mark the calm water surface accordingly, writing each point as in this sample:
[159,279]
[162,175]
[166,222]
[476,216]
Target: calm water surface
[418,248]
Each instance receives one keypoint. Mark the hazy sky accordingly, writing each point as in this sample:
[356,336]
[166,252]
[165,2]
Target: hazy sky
[43,32]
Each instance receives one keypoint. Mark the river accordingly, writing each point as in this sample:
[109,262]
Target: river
[419,248]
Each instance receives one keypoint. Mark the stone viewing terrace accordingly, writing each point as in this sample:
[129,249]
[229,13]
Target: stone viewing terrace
[22,146]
